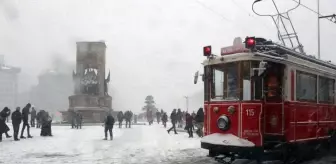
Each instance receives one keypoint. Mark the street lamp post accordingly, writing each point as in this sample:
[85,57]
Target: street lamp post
[331,18]
[187,102]
[318,29]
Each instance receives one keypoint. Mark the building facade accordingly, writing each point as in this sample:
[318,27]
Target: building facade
[8,85]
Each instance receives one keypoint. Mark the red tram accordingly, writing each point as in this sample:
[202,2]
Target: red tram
[264,101]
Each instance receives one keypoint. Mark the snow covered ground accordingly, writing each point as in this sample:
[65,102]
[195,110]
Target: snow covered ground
[140,144]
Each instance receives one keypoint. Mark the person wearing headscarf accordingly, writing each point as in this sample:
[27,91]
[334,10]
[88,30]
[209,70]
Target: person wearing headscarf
[16,121]
[3,126]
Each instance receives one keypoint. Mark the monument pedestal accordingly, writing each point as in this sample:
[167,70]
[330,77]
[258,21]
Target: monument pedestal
[92,108]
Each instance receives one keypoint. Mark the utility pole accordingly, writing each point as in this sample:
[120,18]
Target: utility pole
[318,29]
[187,102]
[331,18]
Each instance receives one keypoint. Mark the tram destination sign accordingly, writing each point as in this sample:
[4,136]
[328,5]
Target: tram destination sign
[237,47]
[233,49]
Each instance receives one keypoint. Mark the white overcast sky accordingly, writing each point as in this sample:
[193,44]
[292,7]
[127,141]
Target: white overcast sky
[153,46]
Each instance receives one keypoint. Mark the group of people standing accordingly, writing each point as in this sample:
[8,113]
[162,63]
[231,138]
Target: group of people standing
[42,118]
[177,117]
[76,120]
[127,116]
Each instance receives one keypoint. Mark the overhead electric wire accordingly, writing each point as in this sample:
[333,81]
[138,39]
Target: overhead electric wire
[222,16]
[242,8]
[213,11]
[311,10]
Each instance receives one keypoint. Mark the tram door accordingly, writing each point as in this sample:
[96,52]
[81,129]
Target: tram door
[273,105]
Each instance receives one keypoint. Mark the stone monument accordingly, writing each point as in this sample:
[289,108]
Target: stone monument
[90,97]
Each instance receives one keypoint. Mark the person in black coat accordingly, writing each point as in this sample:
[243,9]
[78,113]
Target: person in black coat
[46,124]
[158,116]
[189,124]
[79,119]
[120,117]
[109,122]
[25,113]
[199,119]
[38,119]
[16,121]
[3,126]
[128,118]
[173,117]
[32,117]
[164,119]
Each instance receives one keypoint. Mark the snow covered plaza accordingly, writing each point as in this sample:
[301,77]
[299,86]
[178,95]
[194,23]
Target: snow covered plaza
[139,144]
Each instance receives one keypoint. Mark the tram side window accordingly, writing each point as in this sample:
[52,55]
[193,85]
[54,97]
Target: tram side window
[326,90]
[306,85]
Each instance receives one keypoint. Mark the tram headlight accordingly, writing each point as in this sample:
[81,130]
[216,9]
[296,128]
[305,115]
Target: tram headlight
[223,122]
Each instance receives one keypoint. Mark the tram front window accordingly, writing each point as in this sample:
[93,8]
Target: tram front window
[225,82]
[231,81]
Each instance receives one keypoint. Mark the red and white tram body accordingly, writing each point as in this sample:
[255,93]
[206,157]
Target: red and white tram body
[258,101]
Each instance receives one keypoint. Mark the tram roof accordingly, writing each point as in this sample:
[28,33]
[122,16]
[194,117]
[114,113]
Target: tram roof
[238,52]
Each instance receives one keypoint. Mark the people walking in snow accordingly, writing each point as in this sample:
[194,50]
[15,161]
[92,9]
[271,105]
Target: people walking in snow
[73,119]
[120,117]
[109,122]
[25,113]
[46,124]
[3,126]
[179,118]
[32,117]
[158,116]
[173,117]
[149,117]
[128,118]
[79,119]
[38,119]
[164,119]
[194,116]
[199,118]
[189,124]
[16,121]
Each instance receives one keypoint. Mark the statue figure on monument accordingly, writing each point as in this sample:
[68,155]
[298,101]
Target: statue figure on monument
[106,81]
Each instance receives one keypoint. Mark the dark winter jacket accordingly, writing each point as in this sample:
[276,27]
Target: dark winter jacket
[200,115]
[164,118]
[173,117]
[25,113]
[120,116]
[109,121]
[33,114]
[5,113]
[16,118]
[189,120]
